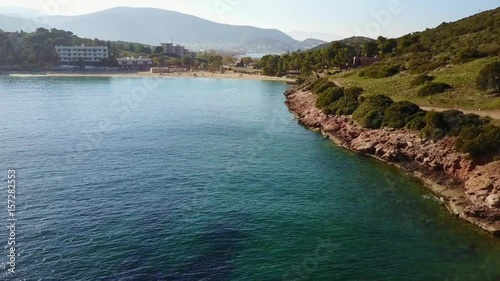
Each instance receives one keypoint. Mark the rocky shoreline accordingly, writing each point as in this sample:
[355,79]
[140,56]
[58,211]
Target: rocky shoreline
[470,191]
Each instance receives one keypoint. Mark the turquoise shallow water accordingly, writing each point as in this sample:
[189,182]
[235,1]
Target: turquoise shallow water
[184,179]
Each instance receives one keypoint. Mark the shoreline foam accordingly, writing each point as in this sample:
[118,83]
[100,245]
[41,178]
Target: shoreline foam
[194,75]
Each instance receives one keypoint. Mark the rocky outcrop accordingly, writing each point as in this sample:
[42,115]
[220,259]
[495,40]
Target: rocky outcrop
[470,191]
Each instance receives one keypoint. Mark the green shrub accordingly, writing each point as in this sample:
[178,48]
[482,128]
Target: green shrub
[418,122]
[433,89]
[435,119]
[370,114]
[489,77]
[344,106]
[319,81]
[455,121]
[353,93]
[432,133]
[422,79]
[348,103]
[482,140]
[301,79]
[380,71]
[468,53]
[435,126]
[388,71]
[399,114]
[321,85]
[329,96]
[428,66]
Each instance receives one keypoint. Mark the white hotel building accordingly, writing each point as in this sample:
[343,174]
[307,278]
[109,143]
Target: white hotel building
[68,54]
[134,63]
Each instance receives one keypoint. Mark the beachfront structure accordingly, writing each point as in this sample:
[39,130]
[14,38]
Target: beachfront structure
[131,63]
[178,50]
[364,61]
[72,54]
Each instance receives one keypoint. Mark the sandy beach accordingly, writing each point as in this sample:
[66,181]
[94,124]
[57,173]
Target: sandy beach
[194,75]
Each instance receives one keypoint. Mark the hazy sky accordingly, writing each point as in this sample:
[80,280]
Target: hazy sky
[336,17]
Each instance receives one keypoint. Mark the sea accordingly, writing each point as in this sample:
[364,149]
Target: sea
[207,179]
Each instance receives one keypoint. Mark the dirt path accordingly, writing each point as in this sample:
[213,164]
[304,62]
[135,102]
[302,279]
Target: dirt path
[495,114]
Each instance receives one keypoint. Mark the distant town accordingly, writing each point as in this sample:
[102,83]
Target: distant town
[91,58]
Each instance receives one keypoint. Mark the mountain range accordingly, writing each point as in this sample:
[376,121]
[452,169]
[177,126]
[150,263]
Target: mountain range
[154,26]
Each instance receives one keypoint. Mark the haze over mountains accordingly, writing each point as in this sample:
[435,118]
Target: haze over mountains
[154,26]
[303,35]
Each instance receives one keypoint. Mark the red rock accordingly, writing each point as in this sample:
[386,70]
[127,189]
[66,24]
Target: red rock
[477,186]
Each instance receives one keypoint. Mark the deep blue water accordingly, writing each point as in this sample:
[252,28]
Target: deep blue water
[200,179]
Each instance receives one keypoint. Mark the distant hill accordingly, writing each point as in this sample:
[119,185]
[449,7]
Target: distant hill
[303,35]
[20,12]
[311,43]
[353,41]
[11,24]
[154,26]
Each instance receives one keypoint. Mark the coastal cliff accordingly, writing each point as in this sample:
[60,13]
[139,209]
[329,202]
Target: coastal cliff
[470,191]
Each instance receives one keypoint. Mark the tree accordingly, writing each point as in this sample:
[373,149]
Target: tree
[370,49]
[158,61]
[187,61]
[342,57]
[158,50]
[387,46]
[489,77]
[215,62]
[144,49]
[247,60]
[269,64]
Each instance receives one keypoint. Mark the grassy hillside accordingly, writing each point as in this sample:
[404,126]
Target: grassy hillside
[462,77]
[447,59]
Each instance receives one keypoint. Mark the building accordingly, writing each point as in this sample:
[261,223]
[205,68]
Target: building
[364,61]
[73,54]
[134,63]
[177,50]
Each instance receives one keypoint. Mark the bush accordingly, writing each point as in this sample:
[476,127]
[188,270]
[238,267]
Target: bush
[489,77]
[388,71]
[432,133]
[451,123]
[455,121]
[467,53]
[320,85]
[348,103]
[380,71]
[370,114]
[399,114]
[323,88]
[329,96]
[418,122]
[435,126]
[344,106]
[433,89]
[422,79]
[353,93]
[482,140]
[301,79]
[426,67]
